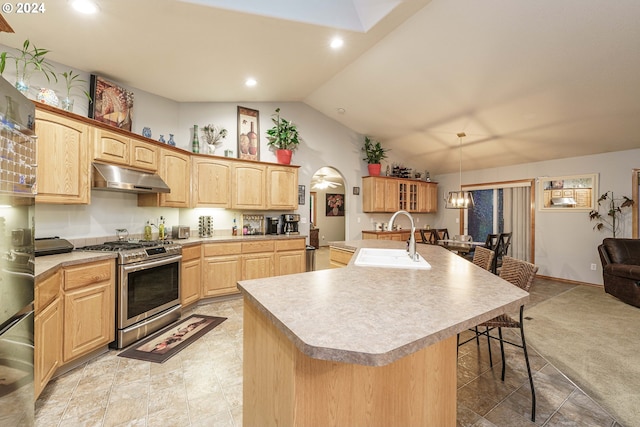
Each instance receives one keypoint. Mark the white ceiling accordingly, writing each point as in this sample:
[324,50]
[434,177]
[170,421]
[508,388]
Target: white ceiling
[526,80]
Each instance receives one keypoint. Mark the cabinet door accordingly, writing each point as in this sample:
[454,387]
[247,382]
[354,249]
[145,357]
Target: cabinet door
[583,197]
[63,172]
[220,275]
[47,344]
[427,197]
[282,187]
[211,183]
[373,194]
[257,266]
[190,282]
[111,147]
[391,195]
[290,262]
[89,319]
[144,155]
[249,181]
[176,172]
[339,257]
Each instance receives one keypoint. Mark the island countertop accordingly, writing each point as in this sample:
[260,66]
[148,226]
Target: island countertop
[375,316]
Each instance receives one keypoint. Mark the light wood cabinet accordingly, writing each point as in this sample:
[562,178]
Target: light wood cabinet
[290,257]
[115,148]
[249,181]
[63,173]
[211,182]
[258,259]
[175,170]
[388,194]
[190,282]
[582,196]
[47,331]
[221,268]
[399,236]
[339,257]
[282,188]
[89,308]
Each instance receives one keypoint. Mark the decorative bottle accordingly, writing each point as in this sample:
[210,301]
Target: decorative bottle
[195,144]
[171,141]
[161,234]
[147,231]
[234,230]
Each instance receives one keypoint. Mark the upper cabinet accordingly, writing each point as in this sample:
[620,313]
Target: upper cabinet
[211,182]
[63,174]
[111,147]
[175,170]
[282,188]
[387,194]
[249,182]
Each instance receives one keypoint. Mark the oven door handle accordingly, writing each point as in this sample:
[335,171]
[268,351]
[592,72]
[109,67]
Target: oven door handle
[150,264]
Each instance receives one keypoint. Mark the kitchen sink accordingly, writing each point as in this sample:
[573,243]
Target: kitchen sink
[389,258]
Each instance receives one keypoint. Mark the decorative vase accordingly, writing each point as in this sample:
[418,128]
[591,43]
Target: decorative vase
[171,142]
[161,139]
[146,132]
[374,169]
[67,104]
[22,84]
[48,96]
[284,156]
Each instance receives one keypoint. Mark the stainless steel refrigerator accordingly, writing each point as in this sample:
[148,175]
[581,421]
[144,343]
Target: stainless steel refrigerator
[17,189]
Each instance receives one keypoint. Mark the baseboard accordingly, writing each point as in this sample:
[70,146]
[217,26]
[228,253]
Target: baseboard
[573,282]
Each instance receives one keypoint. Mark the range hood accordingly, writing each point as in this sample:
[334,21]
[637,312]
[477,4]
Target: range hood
[117,178]
[563,201]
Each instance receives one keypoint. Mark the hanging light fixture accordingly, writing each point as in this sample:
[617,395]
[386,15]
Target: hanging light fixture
[460,199]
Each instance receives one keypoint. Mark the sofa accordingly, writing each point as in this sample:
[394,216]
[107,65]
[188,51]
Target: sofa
[621,269]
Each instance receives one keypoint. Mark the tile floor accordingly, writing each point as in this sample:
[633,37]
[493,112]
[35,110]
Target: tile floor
[202,385]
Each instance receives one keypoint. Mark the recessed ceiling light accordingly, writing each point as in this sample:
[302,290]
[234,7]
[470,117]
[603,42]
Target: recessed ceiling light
[250,82]
[336,43]
[341,110]
[85,6]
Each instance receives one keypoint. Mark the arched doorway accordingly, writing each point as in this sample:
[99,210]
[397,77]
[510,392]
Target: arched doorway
[327,207]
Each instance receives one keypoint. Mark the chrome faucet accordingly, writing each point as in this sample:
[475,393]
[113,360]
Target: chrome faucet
[412,239]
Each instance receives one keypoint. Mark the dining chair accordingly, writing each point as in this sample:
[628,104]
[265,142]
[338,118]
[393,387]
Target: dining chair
[501,249]
[521,274]
[443,234]
[429,237]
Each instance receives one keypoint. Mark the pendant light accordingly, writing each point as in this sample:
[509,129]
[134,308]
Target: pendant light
[459,199]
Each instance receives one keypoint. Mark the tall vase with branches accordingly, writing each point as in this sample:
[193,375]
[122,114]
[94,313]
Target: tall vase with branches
[28,59]
[610,219]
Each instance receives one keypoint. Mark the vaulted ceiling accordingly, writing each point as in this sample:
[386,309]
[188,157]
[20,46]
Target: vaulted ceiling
[525,80]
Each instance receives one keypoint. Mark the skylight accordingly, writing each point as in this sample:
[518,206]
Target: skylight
[352,15]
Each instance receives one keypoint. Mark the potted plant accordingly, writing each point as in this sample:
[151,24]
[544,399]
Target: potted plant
[213,135]
[28,59]
[374,153]
[614,207]
[283,137]
[72,81]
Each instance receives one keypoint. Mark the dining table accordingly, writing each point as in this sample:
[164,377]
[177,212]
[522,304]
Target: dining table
[459,246]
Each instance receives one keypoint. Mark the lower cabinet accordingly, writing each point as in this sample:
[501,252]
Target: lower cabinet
[221,268]
[47,331]
[258,259]
[339,257]
[191,280]
[89,308]
[290,257]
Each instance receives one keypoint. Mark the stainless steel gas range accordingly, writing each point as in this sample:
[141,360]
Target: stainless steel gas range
[148,286]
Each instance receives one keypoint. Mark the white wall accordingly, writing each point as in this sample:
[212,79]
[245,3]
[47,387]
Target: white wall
[566,244]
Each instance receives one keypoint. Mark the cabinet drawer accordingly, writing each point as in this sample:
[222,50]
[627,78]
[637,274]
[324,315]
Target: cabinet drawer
[86,274]
[340,256]
[290,245]
[259,246]
[215,249]
[190,252]
[46,291]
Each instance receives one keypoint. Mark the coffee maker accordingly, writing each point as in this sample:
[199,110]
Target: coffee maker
[290,223]
[273,223]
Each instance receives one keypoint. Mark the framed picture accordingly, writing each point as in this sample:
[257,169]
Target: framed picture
[301,195]
[335,204]
[356,191]
[574,193]
[248,134]
[110,103]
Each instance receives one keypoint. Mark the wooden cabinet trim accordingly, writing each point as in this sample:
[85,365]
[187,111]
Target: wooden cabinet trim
[218,249]
[85,274]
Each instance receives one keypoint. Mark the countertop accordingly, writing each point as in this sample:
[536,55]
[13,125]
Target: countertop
[374,316]
[48,264]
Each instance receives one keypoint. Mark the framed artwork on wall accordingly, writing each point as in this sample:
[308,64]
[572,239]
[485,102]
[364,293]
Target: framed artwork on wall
[335,205]
[110,103]
[248,134]
[301,194]
[573,193]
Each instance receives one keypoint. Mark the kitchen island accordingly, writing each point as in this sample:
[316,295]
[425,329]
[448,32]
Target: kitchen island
[362,345]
